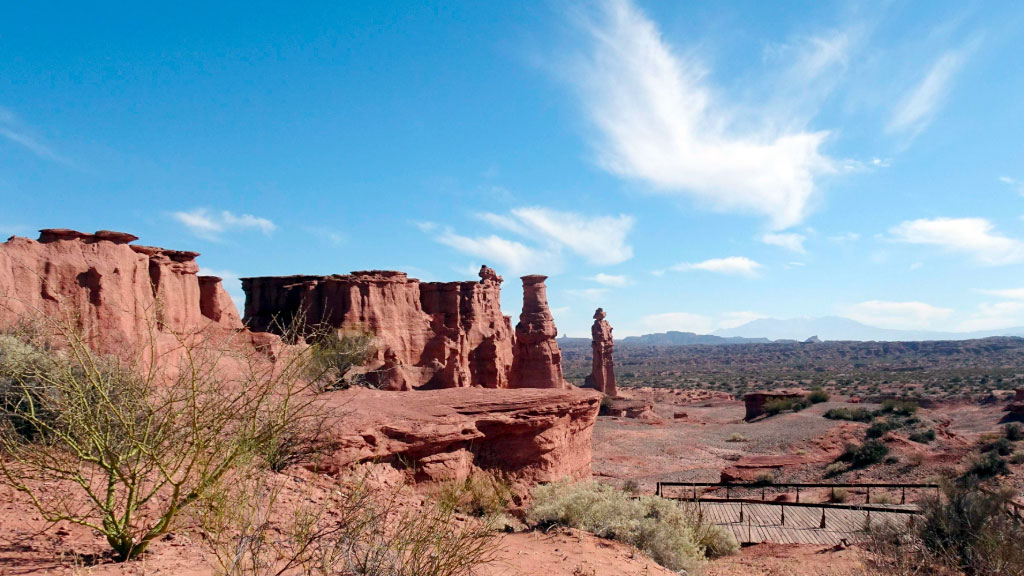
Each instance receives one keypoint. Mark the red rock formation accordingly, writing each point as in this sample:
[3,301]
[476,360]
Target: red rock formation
[602,372]
[537,362]
[1016,405]
[428,335]
[755,401]
[535,435]
[111,288]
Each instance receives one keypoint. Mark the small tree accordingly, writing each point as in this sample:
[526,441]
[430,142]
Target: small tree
[132,446]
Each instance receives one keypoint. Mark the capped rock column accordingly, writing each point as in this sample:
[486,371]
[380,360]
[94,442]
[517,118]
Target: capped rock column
[537,362]
[602,372]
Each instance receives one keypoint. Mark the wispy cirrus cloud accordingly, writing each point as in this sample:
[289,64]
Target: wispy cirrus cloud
[975,237]
[210,225]
[661,123]
[598,239]
[505,255]
[733,265]
[919,107]
[14,130]
[614,280]
[1016,184]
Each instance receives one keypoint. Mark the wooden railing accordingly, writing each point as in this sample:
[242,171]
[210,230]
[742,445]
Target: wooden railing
[764,486]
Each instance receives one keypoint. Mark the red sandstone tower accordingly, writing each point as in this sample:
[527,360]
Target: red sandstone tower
[537,362]
[602,372]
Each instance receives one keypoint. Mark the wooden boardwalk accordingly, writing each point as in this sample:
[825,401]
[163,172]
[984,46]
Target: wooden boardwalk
[762,523]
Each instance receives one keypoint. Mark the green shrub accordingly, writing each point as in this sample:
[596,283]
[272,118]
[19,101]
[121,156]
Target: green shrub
[765,478]
[480,494]
[779,405]
[902,407]
[1013,432]
[1017,458]
[870,452]
[736,437]
[878,428]
[817,396]
[672,534]
[1000,446]
[335,354]
[835,469]
[923,436]
[839,495]
[988,465]
[851,414]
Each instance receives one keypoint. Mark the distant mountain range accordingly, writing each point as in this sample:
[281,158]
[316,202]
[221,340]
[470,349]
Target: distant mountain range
[838,328]
[806,329]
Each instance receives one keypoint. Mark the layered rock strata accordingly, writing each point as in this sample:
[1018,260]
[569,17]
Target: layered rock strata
[534,435]
[428,334]
[537,362]
[118,294]
[602,372]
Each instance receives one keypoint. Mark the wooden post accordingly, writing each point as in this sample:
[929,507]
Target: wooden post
[741,512]
[762,493]
[783,515]
[749,539]
[726,492]
[869,496]
[798,494]
[694,493]
[822,525]
[833,494]
[869,520]
[903,498]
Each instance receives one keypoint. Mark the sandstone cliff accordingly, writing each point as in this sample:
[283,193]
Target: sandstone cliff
[535,435]
[116,292]
[429,334]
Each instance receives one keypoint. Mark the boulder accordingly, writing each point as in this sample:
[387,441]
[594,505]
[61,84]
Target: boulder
[440,435]
[537,361]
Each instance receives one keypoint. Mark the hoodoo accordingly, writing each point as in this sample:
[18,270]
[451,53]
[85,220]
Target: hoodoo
[537,361]
[602,372]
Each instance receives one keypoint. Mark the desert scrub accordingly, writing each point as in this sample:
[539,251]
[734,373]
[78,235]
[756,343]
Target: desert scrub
[839,495]
[131,447]
[481,494]
[736,437]
[850,414]
[901,407]
[335,354]
[868,453]
[989,465]
[923,436]
[835,469]
[773,407]
[1013,432]
[817,395]
[673,535]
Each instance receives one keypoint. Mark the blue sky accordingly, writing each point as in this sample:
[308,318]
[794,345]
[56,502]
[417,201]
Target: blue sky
[685,165]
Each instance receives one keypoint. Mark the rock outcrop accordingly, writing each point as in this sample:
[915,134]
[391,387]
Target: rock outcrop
[537,362]
[117,293]
[1016,405]
[439,435]
[602,372]
[428,335]
[755,401]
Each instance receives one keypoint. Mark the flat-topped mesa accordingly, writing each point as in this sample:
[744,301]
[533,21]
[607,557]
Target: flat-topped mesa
[537,362]
[427,334]
[116,292]
[602,372]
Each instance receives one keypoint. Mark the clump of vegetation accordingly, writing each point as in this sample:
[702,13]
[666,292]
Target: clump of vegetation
[335,354]
[817,395]
[136,449]
[765,478]
[923,436]
[866,454]
[350,531]
[779,405]
[737,437]
[1013,432]
[1017,457]
[901,407]
[878,428]
[840,495]
[1000,446]
[674,535]
[481,494]
[989,465]
[835,469]
[850,414]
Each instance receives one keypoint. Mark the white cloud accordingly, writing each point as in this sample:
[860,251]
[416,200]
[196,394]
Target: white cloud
[211,225]
[498,252]
[610,279]
[588,294]
[1016,184]
[733,265]
[993,316]
[918,108]
[662,124]
[789,240]
[1008,293]
[599,240]
[973,236]
[678,321]
[328,235]
[901,315]
[846,237]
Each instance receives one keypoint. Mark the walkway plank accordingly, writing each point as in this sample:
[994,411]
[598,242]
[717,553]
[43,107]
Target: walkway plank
[802,523]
